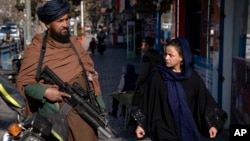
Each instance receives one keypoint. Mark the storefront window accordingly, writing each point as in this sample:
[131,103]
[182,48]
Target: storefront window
[167,23]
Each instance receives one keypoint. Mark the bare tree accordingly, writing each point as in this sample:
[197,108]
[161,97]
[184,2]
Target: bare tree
[93,13]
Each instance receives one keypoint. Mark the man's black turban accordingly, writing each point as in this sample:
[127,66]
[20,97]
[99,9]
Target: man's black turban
[53,10]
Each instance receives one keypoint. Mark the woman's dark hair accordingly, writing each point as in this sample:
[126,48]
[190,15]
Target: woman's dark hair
[177,44]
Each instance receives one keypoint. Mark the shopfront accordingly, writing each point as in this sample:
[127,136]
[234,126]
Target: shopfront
[219,36]
[240,98]
[199,21]
[216,40]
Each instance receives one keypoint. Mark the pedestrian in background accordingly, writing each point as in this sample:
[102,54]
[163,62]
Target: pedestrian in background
[176,104]
[101,36]
[65,56]
[150,59]
[92,45]
[127,83]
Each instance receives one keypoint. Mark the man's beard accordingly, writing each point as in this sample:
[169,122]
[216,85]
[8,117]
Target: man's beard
[60,37]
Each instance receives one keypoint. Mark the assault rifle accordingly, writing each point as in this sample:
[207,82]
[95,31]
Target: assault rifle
[81,101]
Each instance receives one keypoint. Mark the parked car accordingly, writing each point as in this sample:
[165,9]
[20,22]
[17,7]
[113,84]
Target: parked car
[14,30]
[3,30]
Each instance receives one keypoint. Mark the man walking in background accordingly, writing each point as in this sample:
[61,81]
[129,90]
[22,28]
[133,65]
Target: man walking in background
[150,59]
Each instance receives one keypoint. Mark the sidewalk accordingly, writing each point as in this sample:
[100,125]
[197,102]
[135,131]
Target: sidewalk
[109,67]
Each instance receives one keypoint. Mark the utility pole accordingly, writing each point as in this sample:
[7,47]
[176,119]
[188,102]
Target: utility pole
[82,17]
[28,21]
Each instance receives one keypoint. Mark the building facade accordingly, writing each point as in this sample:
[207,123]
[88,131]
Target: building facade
[219,36]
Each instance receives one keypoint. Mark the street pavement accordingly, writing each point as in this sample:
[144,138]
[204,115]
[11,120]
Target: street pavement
[109,67]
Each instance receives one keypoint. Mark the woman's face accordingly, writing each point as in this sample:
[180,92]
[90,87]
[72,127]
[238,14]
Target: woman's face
[173,58]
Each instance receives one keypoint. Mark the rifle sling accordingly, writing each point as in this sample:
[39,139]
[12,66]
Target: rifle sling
[67,105]
[43,49]
[85,76]
[83,68]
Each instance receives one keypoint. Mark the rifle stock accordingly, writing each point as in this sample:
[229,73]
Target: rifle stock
[84,108]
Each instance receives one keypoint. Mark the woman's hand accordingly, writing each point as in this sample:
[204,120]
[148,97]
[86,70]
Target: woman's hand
[55,95]
[213,132]
[140,133]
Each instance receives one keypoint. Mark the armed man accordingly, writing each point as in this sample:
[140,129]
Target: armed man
[64,55]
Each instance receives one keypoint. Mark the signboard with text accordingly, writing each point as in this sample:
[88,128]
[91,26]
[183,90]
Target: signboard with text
[149,27]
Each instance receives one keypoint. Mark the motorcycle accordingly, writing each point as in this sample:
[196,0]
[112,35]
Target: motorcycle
[34,127]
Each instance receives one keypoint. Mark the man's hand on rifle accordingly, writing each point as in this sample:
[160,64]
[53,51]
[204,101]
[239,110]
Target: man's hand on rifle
[55,95]
[84,108]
